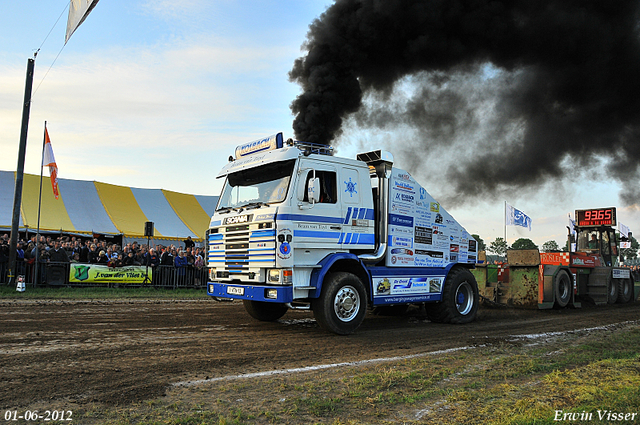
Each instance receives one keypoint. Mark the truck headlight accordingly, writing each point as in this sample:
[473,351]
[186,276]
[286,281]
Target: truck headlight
[274,275]
[282,276]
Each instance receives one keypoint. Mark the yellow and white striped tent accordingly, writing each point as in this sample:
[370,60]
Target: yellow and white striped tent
[88,207]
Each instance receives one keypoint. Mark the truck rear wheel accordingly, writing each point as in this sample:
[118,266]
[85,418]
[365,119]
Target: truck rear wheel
[563,289]
[459,299]
[265,312]
[342,304]
[625,290]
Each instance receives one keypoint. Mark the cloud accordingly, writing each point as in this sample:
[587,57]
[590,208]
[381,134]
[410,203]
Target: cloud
[150,107]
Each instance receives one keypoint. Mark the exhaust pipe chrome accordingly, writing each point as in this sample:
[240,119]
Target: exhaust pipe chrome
[380,164]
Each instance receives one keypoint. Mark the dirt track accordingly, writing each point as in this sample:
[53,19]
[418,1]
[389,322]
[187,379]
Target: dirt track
[121,352]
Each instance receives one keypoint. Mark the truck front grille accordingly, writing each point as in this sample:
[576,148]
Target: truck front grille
[242,250]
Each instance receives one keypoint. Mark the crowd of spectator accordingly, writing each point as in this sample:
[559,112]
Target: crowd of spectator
[72,249]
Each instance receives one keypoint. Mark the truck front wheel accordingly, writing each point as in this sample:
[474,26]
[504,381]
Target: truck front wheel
[459,299]
[342,304]
[265,312]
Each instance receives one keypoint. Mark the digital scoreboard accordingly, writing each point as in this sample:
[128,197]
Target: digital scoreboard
[596,217]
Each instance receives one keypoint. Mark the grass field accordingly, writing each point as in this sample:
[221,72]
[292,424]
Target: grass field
[77,293]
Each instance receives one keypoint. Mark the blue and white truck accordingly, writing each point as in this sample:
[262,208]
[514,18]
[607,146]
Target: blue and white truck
[299,228]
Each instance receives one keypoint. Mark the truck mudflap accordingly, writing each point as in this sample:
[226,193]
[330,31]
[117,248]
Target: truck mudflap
[556,287]
[546,296]
[273,294]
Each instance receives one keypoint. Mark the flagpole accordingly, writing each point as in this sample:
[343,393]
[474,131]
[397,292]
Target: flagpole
[505,223]
[44,141]
[17,193]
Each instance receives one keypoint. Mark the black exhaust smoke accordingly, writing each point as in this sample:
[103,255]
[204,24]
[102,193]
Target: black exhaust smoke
[504,94]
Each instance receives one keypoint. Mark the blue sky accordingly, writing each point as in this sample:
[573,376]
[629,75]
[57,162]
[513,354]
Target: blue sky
[157,93]
[148,93]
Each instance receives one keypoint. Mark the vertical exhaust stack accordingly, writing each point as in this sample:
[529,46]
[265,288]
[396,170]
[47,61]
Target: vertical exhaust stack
[380,163]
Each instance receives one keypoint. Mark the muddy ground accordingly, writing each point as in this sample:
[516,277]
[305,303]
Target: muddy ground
[121,352]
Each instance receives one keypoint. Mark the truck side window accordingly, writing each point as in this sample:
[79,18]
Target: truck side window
[328,190]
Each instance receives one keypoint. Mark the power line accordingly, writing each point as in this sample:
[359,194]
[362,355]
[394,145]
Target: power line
[54,25]
[47,73]
[44,41]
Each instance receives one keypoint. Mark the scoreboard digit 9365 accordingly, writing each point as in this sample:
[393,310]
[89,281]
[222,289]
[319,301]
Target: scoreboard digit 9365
[596,217]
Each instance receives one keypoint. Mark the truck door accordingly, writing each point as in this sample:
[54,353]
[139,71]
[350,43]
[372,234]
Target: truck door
[358,228]
[319,224]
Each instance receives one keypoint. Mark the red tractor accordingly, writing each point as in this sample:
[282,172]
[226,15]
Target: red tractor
[588,272]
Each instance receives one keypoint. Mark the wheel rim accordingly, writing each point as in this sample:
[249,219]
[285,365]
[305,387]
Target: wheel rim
[346,304]
[464,298]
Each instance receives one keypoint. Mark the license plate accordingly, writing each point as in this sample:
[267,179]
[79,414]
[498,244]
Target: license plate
[234,290]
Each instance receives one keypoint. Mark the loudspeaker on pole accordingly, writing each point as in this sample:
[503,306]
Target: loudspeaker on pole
[148,229]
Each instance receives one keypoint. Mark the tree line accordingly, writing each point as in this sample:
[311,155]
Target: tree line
[499,246]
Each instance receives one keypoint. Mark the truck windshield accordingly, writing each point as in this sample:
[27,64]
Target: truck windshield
[266,184]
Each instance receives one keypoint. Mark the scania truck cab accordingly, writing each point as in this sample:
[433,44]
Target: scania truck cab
[299,228]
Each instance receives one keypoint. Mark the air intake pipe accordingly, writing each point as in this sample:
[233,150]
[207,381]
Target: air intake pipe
[380,164]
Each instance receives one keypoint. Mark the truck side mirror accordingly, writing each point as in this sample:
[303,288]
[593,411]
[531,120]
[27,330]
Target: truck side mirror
[308,192]
[313,190]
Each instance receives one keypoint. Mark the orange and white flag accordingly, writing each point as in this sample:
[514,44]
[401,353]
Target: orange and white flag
[48,160]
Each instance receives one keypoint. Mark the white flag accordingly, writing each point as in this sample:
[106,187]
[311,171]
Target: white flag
[572,225]
[516,217]
[78,12]
[624,230]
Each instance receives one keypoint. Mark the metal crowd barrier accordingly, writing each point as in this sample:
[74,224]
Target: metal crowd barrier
[57,274]
[179,277]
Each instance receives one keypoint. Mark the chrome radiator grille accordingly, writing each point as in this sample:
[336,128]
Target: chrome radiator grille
[242,249]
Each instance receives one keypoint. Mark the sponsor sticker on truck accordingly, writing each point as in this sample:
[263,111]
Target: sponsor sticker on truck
[435,237]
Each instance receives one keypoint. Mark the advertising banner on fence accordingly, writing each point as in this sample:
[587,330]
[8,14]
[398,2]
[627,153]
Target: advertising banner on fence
[95,273]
